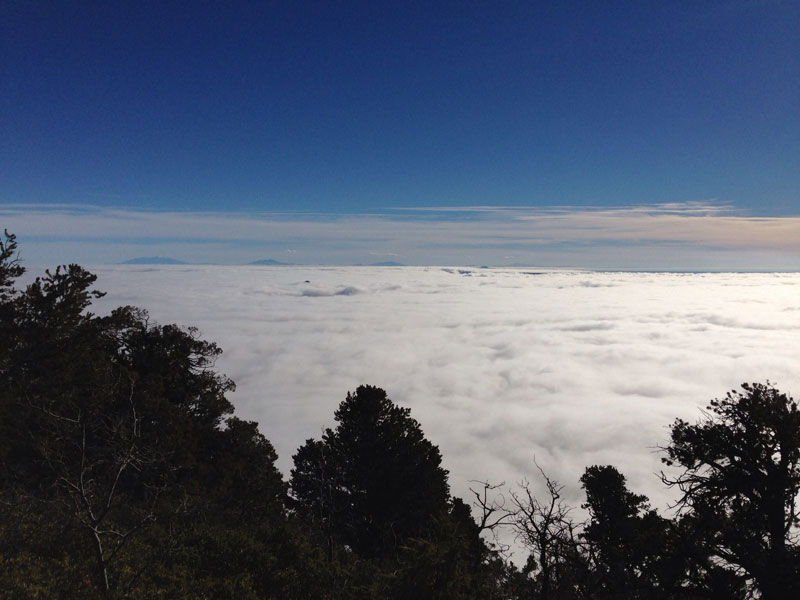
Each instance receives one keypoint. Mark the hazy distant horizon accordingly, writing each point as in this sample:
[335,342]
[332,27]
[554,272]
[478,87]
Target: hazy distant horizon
[513,267]
[681,237]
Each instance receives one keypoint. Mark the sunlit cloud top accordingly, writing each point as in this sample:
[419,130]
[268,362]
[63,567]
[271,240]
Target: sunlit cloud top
[499,365]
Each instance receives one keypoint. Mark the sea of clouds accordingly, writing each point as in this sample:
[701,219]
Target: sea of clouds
[498,365]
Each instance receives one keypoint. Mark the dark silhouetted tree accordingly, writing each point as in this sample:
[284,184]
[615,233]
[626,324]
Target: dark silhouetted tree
[376,498]
[627,542]
[739,484]
[119,456]
[545,528]
[374,481]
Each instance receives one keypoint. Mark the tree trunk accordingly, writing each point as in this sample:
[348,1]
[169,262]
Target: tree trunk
[102,567]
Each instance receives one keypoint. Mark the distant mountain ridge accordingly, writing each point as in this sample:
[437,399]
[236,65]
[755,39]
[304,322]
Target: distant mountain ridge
[153,260]
[268,261]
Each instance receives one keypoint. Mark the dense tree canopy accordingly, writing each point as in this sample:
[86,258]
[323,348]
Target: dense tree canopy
[374,481]
[113,429]
[740,482]
[626,540]
[374,485]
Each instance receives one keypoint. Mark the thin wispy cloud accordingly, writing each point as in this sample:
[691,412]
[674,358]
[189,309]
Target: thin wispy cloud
[555,236]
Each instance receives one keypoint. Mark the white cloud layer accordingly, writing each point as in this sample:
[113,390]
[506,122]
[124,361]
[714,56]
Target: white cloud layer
[498,365]
[689,236]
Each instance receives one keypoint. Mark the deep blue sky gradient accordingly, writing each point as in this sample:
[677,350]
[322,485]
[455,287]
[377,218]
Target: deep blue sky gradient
[358,107]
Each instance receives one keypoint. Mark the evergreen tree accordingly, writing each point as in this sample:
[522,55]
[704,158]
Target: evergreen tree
[740,483]
[627,542]
[374,481]
[122,471]
[375,497]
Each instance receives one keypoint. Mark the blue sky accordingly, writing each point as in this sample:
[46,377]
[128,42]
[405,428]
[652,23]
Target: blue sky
[302,112]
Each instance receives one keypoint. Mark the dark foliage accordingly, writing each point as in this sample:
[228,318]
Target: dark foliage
[375,486]
[373,482]
[117,444]
[740,484]
[627,542]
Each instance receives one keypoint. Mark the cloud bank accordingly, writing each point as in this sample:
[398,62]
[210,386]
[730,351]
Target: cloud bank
[498,365]
[690,236]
